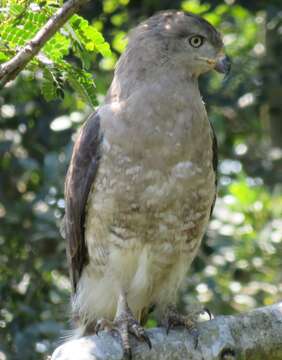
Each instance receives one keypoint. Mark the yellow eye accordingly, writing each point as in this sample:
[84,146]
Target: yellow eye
[196,41]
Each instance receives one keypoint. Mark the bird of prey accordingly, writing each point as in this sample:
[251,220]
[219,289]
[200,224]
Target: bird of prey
[141,183]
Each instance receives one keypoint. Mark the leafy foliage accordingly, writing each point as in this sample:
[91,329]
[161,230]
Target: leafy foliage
[239,266]
[21,20]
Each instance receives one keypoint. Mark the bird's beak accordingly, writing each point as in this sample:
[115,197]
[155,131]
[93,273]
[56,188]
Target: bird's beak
[223,64]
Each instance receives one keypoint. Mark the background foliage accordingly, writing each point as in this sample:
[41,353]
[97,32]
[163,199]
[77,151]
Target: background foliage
[239,266]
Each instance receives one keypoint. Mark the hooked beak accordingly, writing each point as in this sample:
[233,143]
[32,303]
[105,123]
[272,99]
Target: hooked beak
[223,65]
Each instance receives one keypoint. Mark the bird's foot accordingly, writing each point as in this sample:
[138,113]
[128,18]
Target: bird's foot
[174,318]
[124,324]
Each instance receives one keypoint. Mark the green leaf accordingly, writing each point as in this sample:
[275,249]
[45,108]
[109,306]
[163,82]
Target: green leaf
[89,36]
[50,86]
[213,18]
[3,57]
[104,49]
[57,47]
[18,33]
[109,6]
[120,41]
[16,9]
[243,192]
[81,81]
[194,6]
[119,19]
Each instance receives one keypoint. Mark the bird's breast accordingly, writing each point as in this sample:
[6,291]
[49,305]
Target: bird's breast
[156,181]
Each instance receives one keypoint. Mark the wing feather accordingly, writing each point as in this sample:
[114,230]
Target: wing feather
[214,162]
[80,177]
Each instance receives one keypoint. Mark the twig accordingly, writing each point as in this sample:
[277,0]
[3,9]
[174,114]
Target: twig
[10,69]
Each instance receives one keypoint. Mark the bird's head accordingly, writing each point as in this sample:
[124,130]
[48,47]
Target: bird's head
[185,40]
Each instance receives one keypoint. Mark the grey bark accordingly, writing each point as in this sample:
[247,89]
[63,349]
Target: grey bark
[10,69]
[256,335]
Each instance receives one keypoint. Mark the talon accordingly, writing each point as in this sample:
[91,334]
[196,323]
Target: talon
[97,328]
[208,312]
[147,340]
[173,318]
[102,324]
[140,333]
[168,327]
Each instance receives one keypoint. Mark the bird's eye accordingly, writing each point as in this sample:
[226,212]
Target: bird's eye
[196,41]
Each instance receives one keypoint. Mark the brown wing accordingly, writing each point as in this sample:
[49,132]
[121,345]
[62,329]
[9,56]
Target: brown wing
[81,175]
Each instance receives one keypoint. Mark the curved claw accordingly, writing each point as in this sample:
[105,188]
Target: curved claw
[168,326]
[147,340]
[97,328]
[102,324]
[140,333]
[206,310]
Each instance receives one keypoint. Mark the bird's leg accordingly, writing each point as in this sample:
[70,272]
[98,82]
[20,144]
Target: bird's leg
[125,324]
[173,318]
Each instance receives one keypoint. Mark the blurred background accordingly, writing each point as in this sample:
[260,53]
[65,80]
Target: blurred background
[239,266]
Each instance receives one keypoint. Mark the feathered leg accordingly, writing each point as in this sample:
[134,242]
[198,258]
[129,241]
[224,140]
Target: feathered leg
[125,324]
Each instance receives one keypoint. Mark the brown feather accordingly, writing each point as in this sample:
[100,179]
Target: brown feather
[81,174]
[214,163]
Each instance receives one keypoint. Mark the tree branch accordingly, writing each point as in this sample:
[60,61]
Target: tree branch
[10,69]
[256,335]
